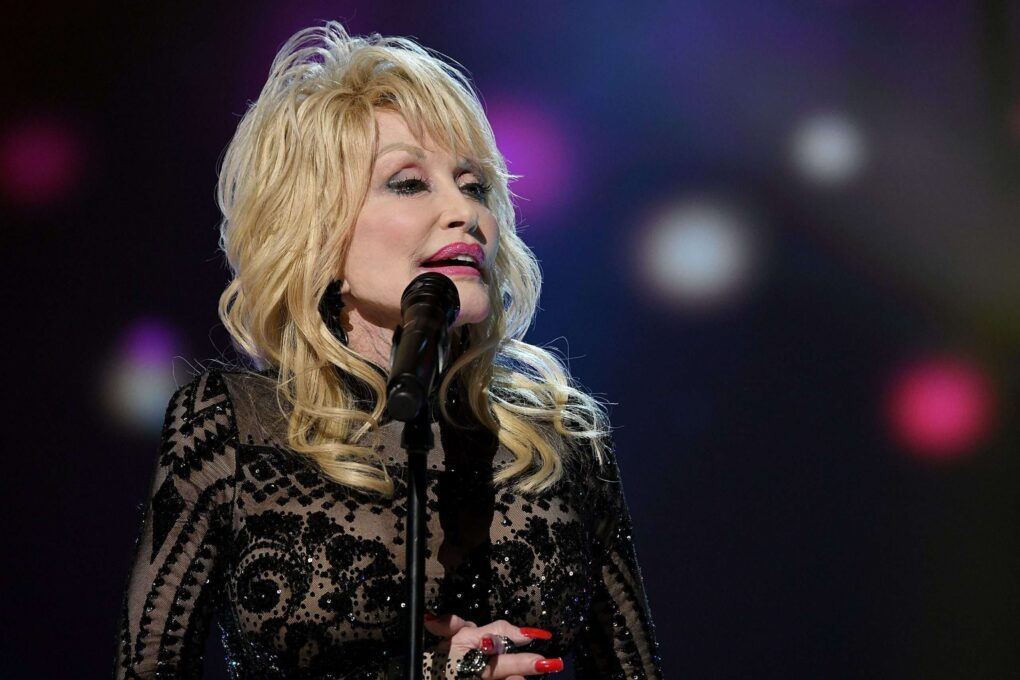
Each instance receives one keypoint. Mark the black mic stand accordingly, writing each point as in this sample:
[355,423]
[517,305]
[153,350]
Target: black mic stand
[417,440]
[415,364]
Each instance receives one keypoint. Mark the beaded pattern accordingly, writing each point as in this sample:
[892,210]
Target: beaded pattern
[305,576]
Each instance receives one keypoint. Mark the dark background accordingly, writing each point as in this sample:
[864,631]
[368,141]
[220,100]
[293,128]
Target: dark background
[787,524]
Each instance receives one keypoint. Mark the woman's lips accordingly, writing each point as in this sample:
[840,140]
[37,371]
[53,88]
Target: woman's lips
[455,270]
[452,250]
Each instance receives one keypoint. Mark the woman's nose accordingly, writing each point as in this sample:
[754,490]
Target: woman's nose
[460,210]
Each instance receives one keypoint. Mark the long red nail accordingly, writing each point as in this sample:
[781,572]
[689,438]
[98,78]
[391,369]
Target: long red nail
[486,644]
[536,633]
[429,616]
[549,665]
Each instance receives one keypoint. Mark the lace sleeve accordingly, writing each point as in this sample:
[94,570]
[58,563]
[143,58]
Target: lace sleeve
[167,605]
[618,642]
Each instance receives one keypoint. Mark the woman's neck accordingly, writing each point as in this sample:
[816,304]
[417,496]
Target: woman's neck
[372,342]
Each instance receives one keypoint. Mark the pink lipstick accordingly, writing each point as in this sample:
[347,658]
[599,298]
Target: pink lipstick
[457,259]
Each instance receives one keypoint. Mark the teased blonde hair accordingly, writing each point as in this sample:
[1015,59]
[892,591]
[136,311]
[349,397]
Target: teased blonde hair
[291,185]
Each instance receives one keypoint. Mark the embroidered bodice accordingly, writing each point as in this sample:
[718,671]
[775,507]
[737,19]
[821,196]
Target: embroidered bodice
[305,576]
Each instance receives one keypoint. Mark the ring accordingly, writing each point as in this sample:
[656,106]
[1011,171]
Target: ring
[501,644]
[471,664]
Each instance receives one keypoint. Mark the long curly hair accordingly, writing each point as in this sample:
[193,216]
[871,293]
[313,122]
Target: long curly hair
[291,185]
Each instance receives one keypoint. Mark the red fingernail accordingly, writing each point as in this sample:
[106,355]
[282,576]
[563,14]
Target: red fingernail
[486,645]
[429,616]
[536,633]
[549,665]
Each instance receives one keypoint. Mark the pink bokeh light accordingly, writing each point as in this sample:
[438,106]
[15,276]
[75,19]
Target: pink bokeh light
[40,161]
[940,408]
[537,148]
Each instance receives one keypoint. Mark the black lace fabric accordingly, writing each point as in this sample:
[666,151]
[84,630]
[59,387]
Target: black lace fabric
[305,576]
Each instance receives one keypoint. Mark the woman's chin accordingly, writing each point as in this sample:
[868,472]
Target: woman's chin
[474,303]
[471,314]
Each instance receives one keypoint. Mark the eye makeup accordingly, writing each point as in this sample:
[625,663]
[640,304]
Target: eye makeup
[414,184]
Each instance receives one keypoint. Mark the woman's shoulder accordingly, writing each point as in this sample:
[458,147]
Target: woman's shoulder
[225,381]
[249,397]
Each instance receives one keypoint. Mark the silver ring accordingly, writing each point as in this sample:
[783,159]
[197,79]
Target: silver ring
[472,664]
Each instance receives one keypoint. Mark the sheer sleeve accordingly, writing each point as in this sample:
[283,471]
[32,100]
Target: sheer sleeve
[168,602]
[618,642]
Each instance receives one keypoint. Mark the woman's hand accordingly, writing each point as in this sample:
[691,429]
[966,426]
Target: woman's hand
[464,636]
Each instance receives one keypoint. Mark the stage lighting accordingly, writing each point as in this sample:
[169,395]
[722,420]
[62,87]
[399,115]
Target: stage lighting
[940,408]
[828,149]
[40,161]
[139,379]
[537,149]
[698,252]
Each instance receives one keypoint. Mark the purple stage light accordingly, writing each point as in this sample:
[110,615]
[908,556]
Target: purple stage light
[40,161]
[140,378]
[149,342]
[536,148]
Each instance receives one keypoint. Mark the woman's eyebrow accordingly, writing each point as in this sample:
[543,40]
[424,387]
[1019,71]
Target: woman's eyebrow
[463,164]
[415,151]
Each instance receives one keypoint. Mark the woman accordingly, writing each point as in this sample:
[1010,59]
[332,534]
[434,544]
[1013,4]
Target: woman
[278,499]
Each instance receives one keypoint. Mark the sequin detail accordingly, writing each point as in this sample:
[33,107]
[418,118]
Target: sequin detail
[305,576]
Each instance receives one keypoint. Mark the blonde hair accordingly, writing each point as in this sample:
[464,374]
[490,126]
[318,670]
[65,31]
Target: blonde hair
[291,185]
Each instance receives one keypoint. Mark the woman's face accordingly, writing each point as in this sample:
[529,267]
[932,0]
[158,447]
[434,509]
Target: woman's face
[420,200]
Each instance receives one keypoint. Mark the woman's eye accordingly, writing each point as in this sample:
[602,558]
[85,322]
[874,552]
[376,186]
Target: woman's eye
[408,186]
[477,190]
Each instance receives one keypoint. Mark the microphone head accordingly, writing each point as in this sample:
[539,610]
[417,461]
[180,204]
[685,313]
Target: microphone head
[433,288]
[429,306]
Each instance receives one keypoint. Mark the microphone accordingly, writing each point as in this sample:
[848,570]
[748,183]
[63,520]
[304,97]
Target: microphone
[421,344]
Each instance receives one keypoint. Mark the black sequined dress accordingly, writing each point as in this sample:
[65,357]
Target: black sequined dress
[305,576]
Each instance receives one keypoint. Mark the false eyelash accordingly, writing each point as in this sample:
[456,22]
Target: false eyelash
[411,185]
[404,186]
[483,188]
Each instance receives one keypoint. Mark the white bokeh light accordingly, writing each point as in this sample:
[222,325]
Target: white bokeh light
[698,252]
[828,149]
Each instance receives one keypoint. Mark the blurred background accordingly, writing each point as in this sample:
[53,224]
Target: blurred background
[781,237]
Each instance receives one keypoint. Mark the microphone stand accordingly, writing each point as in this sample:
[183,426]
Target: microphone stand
[417,440]
[420,348]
